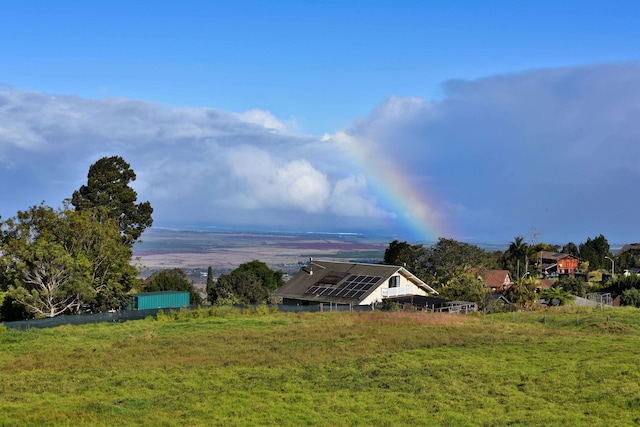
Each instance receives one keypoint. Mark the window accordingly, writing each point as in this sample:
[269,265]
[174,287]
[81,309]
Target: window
[394,281]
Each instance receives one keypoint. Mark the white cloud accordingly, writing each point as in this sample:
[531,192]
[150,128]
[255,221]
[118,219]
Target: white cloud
[552,149]
[193,164]
[264,119]
[350,198]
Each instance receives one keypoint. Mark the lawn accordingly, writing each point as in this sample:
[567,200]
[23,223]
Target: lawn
[571,367]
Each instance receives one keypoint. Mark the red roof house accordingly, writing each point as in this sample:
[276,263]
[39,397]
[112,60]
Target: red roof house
[496,280]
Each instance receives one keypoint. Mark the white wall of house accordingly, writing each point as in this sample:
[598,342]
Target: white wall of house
[405,286]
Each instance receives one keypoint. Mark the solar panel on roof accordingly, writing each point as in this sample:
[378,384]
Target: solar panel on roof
[354,287]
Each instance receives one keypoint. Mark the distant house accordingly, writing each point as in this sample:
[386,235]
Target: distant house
[496,280]
[556,262]
[495,302]
[544,284]
[350,283]
[631,272]
[633,248]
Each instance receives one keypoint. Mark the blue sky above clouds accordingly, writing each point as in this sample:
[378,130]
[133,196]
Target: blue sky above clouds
[506,117]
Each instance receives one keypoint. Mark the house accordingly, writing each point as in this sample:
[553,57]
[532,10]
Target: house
[631,272]
[495,302]
[350,283]
[556,262]
[496,280]
[544,284]
[633,249]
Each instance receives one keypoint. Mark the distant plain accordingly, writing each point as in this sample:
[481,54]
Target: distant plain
[163,248]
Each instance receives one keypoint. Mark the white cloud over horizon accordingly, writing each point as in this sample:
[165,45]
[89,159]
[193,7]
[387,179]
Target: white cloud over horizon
[550,149]
[193,164]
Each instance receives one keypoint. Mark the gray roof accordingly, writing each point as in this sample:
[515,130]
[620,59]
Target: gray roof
[555,256]
[316,282]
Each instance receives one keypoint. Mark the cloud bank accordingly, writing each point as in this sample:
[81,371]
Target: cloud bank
[555,150]
[195,165]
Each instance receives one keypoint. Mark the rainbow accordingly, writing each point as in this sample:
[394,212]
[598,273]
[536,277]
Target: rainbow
[414,204]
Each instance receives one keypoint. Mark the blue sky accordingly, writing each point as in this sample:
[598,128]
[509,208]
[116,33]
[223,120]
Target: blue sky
[260,112]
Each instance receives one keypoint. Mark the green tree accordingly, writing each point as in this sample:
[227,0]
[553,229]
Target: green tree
[210,280]
[465,287]
[93,237]
[630,297]
[412,257]
[522,293]
[571,249]
[40,273]
[626,260]
[594,252]
[250,283]
[53,282]
[11,310]
[57,261]
[557,296]
[172,280]
[437,265]
[222,291]
[449,258]
[572,284]
[108,188]
[516,256]
[241,286]
[269,279]
[622,283]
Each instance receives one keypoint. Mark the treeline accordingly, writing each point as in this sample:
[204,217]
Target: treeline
[452,268]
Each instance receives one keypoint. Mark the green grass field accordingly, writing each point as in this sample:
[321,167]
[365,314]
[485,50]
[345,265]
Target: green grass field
[569,367]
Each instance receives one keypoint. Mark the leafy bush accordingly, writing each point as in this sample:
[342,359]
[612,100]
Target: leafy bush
[165,316]
[388,305]
[172,280]
[572,284]
[184,313]
[261,310]
[199,313]
[630,297]
[622,283]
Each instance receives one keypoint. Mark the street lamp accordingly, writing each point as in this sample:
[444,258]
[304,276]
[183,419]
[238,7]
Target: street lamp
[613,267]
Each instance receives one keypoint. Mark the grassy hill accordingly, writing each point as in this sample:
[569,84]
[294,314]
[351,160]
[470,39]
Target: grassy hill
[571,367]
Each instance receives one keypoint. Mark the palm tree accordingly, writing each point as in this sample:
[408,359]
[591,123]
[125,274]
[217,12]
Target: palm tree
[517,250]
[558,294]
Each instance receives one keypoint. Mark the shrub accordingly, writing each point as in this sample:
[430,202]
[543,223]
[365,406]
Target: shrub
[199,313]
[389,305]
[630,297]
[573,285]
[261,309]
[165,316]
[184,313]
